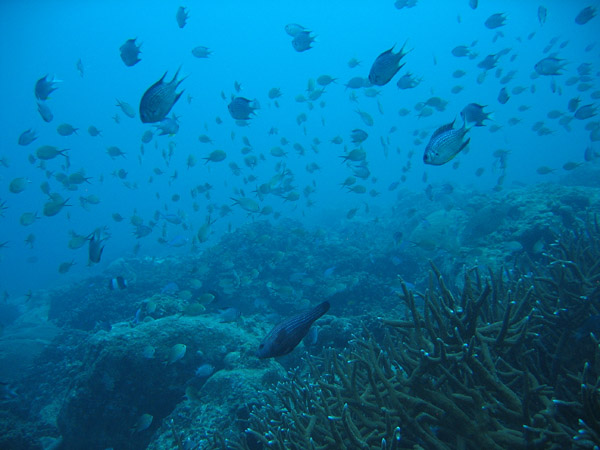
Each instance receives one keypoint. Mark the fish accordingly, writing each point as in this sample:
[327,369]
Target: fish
[408,81]
[215,156]
[95,246]
[126,108]
[247,204]
[325,80]
[240,108]
[285,336]
[353,62]
[168,126]
[201,52]
[495,21]
[79,67]
[27,137]
[18,185]
[302,41]
[47,152]
[55,205]
[159,98]
[549,66]
[176,353]
[542,14]
[385,66]
[399,4]
[93,131]
[44,87]
[503,96]
[117,283]
[474,113]
[114,152]
[489,62]
[143,423]
[294,29]
[585,112]
[205,370]
[45,112]
[181,16]
[148,351]
[230,314]
[7,392]
[66,129]
[585,15]
[358,136]
[28,218]
[65,267]
[130,52]
[445,143]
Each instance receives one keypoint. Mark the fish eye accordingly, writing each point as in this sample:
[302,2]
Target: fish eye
[261,346]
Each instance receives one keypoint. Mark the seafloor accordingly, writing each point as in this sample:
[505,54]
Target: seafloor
[458,320]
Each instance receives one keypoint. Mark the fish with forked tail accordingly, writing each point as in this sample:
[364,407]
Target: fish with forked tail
[287,335]
[445,143]
[159,98]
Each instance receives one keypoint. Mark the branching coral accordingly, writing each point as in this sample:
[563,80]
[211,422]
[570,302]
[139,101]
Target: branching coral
[492,367]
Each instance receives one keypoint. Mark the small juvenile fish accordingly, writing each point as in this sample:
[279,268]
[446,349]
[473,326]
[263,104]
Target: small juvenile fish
[585,15]
[27,137]
[129,52]
[495,21]
[181,16]
[303,41]
[177,352]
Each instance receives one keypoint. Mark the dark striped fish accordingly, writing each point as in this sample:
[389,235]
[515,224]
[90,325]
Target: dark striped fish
[158,100]
[287,335]
[445,143]
[386,66]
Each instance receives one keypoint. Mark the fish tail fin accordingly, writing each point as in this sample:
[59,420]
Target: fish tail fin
[178,95]
[464,144]
[402,52]
[178,82]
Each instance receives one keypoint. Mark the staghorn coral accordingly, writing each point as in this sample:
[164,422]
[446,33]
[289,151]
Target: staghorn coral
[502,364]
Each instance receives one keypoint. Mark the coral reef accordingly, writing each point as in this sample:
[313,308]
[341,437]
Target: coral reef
[510,361]
[491,354]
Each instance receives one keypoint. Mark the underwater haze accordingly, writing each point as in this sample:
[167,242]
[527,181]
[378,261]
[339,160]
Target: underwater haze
[250,46]
[172,167]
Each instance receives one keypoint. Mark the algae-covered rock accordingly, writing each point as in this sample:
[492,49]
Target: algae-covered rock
[221,406]
[119,382]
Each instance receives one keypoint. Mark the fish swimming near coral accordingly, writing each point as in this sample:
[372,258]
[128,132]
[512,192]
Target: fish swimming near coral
[96,246]
[158,100]
[287,335]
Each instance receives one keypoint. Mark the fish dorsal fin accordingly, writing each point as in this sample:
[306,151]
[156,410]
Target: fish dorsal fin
[443,129]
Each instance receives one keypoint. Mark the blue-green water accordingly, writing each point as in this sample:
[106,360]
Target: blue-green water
[482,207]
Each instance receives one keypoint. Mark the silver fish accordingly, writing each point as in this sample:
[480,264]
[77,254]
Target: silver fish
[158,100]
[445,143]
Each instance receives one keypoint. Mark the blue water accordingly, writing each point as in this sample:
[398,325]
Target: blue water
[250,46]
